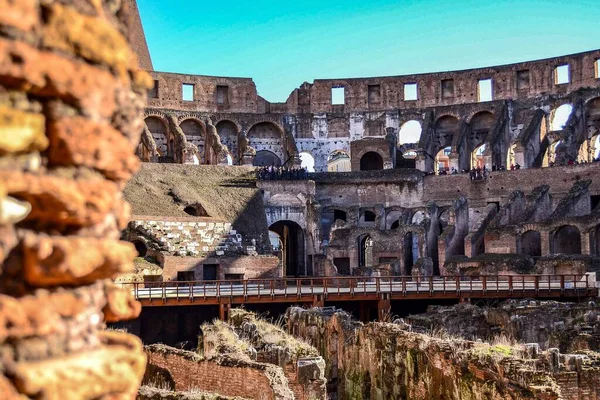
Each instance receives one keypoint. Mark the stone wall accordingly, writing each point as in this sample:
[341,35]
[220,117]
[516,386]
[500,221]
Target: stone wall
[382,360]
[570,327]
[71,97]
[224,375]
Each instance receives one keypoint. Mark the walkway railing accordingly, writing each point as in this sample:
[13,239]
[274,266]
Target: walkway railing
[357,288]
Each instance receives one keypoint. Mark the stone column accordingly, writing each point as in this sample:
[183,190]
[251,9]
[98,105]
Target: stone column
[71,102]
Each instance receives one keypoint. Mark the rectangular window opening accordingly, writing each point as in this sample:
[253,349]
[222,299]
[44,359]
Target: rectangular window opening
[447,88]
[484,90]
[234,277]
[410,92]
[185,276]
[210,272]
[597,69]
[562,74]
[222,95]
[338,95]
[153,93]
[523,79]
[374,94]
[187,92]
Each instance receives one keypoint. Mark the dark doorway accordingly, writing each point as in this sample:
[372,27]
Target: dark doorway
[531,244]
[339,214]
[265,158]
[292,251]
[366,251]
[566,240]
[411,252]
[371,162]
[209,272]
[141,248]
[343,265]
[186,276]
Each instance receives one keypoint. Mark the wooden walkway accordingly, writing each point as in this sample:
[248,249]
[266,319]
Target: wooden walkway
[316,291]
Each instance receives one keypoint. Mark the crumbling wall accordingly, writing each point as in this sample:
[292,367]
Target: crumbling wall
[71,98]
[222,374]
[569,327]
[383,360]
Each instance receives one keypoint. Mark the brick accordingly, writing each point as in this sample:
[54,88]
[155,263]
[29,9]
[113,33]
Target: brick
[19,14]
[116,368]
[54,260]
[90,37]
[79,141]
[120,304]
[50,75]
[21,131]
[61,201]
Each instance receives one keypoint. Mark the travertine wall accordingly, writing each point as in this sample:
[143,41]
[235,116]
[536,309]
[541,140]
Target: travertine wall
[383,360]
[71,97]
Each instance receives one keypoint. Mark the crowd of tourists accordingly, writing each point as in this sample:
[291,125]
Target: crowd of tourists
[273,173]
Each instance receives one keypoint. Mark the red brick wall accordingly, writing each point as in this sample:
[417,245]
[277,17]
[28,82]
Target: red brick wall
[211,377]
[251,267]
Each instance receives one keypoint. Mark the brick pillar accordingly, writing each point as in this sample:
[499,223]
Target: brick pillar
[585,243]
[71,103]
[545,238]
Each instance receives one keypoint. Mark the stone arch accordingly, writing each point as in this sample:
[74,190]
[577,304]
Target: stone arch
[417,218]
[446,127]
[307,161]
[140,247]
[566,240]
[195,133]
[367,217]
[410,132]
[158,129]
[560,116]
[480,125]
[393,219]
[268,136]
[442,160]
[531,244]
[371,161]
[228,131]
[266,158]
[365,251]
[339,161]
[293,247]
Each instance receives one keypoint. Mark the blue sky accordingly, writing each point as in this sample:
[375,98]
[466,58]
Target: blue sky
[281,44]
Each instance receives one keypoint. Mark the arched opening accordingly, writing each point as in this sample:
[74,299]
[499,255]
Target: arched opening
[267,136]
[291,239]
[560,116]
[442,160]
[141,248]
[550,156]
[338,161]
[392,219]
[307,161]
[159,133]
[365,251]
[418,217]
[339,215]
[406,159]
[371,161]
[195,210]
[566,240]
[195,134]
[228,132]
[265,158]
[531,244]
[510,157]
[445,129]
[411,251]
[395,225]
[477,157]
[410,132]
[367,217]
[229,159]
